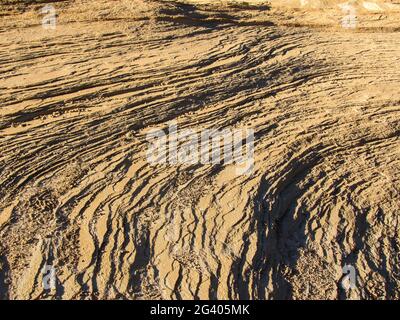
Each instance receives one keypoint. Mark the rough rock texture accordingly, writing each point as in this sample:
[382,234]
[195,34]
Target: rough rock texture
[76,190]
